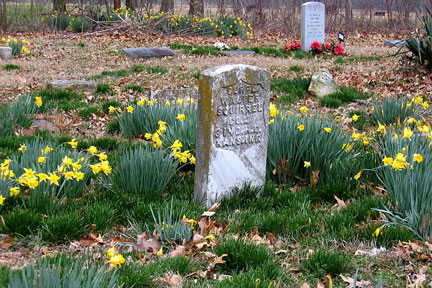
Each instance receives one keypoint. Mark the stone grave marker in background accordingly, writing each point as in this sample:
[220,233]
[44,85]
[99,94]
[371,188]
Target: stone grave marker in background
[5,53]
[313,24]
[146,53]
[75,85]
[233,115]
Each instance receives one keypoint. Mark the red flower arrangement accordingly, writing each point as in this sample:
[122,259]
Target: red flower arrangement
[334,49]
[294,46]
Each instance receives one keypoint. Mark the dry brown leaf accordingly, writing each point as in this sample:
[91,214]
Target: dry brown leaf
[305,285]
[350,281]
[96,237]
[340,203]
[197,238]
[173,280]
[150,245]
[178,251]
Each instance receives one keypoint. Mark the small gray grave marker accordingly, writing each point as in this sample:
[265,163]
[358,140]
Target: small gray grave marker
[146,53]
[233,113]
[313,24]
[5,53]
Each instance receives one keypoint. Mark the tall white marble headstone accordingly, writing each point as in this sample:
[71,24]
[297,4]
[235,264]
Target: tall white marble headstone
[232,131]
[313,24]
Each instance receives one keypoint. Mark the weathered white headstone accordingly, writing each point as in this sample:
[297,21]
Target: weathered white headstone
[313,24]
[233,113]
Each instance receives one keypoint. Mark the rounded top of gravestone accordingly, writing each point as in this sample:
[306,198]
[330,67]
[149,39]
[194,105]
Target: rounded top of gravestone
[313,3]
[229,67]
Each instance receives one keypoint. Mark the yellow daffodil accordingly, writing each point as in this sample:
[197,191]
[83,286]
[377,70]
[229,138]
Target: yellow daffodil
[192,160]
[411,120]
[301,127]
[271,121]
[167,103]
[111,252]
[102,156]
[210,237]
[328,130]
[418,100]
[111,109]
[378,232]
[418,158]
[179,101]
[190,100]
[356,136]
[407,133]
[14,191]
[38,101]
[41,159]
[117,260]
[96,168]
[357,176]
[303,109]
[73,143]
[346,147]
[22,148]
[47,150]
[177,145]
[42,177]
[53,178]
[67,161]
[425,105]
[130,109]
[388,161]
[92,150]
[381,128]
[355,117]
[160,252]
[307,164]
[2,199]
[181,117]
[79,176]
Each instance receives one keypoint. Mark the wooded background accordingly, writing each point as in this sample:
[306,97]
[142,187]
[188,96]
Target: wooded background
[280,15]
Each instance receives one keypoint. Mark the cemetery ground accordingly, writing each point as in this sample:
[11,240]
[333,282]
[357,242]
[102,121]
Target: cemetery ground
[315,223]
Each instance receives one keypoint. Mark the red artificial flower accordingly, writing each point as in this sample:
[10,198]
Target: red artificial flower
[316,45]
[327,45]
[339,50]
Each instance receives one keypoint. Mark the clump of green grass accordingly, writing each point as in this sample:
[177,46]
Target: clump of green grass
[113,126]
[358,59]
[324,262]
[156,69]
[21,222]
[64,227]
[290,90]
[9,67]
[296,68]
[344,96]
[243,255]
[133,87]
[59,94]
[104,88]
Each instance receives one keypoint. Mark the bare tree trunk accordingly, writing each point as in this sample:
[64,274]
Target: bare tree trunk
[131,4]
[348,14]
[3,13]
[32,13]
[59,6]
[167,6]
[221,7]
[370,10]
[196,7]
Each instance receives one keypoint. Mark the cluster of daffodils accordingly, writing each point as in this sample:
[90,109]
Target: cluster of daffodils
[155,137]
[399,162]
[16,45]
[184,156]
[361,137]
[68,170]
[115,259]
